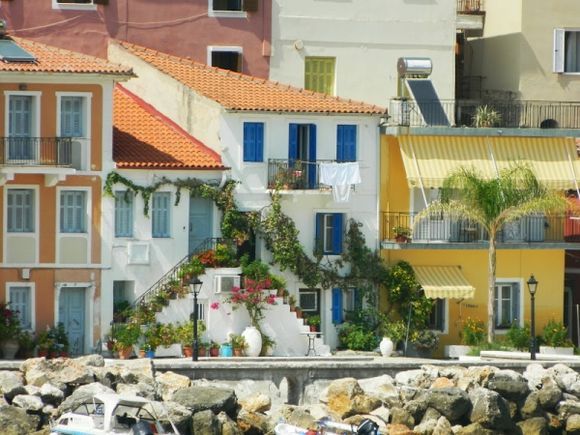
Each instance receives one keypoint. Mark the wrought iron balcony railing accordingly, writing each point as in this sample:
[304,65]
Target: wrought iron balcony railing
[36,151]
[469,6]
[295,174]
[485,113]
[441,228]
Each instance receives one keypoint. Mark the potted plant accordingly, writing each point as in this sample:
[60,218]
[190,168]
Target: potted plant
[27,342]
[298,311]
[402,234]
[292,302]
[393,332]
[422,344]
[225,255]
[126,336]
[9,331]
[268,344]
[314,322]
[238,343]
[214,349]
[45,343]
[472,334]
[485,116]
[555,337]
[184,335]
[61,340]
[193,267]
[203,346]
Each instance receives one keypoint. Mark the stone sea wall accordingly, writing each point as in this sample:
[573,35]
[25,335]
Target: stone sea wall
[429,400]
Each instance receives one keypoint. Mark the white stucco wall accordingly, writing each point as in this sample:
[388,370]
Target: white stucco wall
[366,38]
[516,51]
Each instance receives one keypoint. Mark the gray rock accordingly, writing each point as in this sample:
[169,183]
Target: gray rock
[32,390]
[510,384]
[425,427]
[431,414]
[549,396]
[381,387]
[27,402]
[201,398]
[169,382]
[256,403]
[570,383]
[567,407]
[531,407]
[81,394]
[299,416]
[413,378]
[38,371]
[443,427]
[11,384]
[573,424]
[417,408]
[93,360]
[475,429]
[205,422]
[535,374]
[489,409]
[51,395]
[168,412]
[227,425]
[402,416]
[253,422]
[141,389]
[16,421]
[346,398]
[555,425]
[382,413]
[453,403]
[533,426]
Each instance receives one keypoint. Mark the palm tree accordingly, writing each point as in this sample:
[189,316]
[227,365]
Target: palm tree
[491,203]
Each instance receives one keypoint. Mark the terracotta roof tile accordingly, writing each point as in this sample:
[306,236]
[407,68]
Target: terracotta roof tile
[237,91]
[57,60]
[143,138]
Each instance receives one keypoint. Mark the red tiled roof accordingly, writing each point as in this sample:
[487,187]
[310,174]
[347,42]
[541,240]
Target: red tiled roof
[143,138]
[56,60]
[237,91]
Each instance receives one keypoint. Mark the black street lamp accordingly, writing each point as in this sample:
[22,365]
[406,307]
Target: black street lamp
[195,287]
[532,287]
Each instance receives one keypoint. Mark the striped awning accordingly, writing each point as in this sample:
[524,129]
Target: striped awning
[428,160]
[444,282]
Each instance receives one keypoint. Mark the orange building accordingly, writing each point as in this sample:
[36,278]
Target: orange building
[55,147]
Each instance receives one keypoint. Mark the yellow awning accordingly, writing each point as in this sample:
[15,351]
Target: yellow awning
[444,282]
[428,160]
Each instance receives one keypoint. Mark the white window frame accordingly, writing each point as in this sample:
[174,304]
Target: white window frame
[223,14]
[86,235]
[559,51]
[519,281]
[326,228]
[32,288]
[225,48]
[86,214]
[87,103]
[36,233]
[445,318]
[74,6]
[34,210]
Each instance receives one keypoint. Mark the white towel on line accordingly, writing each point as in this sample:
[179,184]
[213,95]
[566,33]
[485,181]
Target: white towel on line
[340,176]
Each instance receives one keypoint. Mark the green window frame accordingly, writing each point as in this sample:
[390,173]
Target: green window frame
[319,74]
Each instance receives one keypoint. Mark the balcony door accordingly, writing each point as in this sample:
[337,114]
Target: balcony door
[20,145]
[302,153]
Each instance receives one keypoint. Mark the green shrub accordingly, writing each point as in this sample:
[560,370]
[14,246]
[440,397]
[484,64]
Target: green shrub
[519,338]
[555,334]
[475,350]
[473,332]
[357,337]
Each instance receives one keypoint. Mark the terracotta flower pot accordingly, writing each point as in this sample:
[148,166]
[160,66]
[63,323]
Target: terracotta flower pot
[214,351]
[126,352]
[238,351]
[187,351]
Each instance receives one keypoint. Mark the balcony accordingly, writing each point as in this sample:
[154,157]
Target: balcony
[295,174]
[500,113]
[469,6]
[36,151]
[441,229]
[470,17]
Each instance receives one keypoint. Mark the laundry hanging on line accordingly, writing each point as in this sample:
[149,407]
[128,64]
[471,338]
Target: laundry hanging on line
[340,176]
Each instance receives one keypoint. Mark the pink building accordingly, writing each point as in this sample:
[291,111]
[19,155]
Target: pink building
[231,34]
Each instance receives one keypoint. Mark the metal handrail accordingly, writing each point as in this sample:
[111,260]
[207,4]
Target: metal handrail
[295,174]
[206,245]
[36,151]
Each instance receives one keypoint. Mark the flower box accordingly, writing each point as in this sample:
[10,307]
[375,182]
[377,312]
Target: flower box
[173,351]
[556,350]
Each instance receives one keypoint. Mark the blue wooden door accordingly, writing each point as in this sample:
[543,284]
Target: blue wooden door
[71,313]
[200,221]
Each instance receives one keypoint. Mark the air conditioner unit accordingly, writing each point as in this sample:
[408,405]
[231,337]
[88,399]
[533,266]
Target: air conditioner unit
[225,283]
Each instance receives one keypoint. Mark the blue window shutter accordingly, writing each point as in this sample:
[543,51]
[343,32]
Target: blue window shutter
[253,141]
[337,306]
[293,143]
[337,232]
[312,168]
[318,233]
[346,143]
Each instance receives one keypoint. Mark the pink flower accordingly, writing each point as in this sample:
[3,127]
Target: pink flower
[215,305]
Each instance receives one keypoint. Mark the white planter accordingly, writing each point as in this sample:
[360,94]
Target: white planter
[169,351]
[253,340]
[456,350]
[386,346]
[556,350]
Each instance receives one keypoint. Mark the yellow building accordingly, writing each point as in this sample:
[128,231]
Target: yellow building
[450,257]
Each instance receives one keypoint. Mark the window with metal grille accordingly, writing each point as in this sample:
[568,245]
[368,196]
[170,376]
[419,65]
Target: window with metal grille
[73,211]
[20,210]
[124,213]
[160,214]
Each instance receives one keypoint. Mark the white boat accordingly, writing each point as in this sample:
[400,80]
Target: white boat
[108,414]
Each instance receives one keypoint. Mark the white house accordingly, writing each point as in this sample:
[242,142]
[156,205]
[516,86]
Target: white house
[350,49]
[263,132]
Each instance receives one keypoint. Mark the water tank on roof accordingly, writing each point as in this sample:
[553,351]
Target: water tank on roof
[414,66]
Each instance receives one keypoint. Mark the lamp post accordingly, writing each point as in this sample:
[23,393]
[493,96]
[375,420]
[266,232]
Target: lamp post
[532,287]
[195,286]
